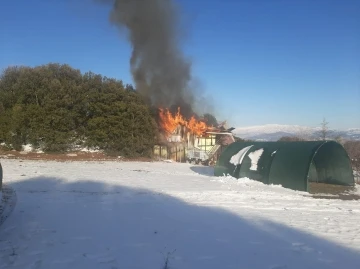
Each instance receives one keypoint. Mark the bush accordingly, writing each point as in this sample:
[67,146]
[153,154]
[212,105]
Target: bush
[52,106]
[290,138]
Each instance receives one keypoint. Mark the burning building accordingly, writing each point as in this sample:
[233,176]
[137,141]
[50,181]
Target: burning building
[191,140]
[162,74]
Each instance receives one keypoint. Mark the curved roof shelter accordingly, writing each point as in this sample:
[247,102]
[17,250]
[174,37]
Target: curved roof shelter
[290,164]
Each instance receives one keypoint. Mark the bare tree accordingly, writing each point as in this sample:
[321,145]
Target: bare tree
[324,132]
[353,149]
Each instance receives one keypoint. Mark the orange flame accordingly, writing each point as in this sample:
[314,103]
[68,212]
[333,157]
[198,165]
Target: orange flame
[169,123]
[196,127]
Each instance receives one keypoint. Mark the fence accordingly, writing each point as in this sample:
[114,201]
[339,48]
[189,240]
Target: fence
[176,153]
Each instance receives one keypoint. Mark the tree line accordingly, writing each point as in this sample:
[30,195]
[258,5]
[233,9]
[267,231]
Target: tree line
[55,107]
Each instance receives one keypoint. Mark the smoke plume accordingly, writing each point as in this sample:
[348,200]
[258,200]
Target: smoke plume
[160,70]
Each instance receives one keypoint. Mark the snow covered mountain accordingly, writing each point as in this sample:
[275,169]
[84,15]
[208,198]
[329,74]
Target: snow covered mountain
[272,132]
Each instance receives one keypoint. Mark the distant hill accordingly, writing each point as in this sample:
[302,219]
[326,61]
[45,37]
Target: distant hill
[273,132]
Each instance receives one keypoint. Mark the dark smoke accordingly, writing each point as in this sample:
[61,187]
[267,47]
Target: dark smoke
[160,70]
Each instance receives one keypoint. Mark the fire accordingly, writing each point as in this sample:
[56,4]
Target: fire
[196,127]
[169,123]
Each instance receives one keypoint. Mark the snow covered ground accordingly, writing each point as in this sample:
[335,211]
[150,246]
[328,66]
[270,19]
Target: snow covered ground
[129,215]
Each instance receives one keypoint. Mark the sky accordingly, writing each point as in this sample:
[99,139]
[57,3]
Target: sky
[258,61]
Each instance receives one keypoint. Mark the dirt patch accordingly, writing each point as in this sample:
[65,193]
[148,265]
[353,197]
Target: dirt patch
[339,197]
[70,156]
[315,188]
[330,191]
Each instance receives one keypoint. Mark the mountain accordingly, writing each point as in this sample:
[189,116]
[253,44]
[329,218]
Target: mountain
[273,132]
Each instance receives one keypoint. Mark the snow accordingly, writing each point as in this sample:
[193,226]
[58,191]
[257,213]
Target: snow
[272,132]
[27,148]
[271,128]
[276,128]
[30,148]
[238,157]
[89,149]
[354,131]
[356,190]
[254,157]
[95,215]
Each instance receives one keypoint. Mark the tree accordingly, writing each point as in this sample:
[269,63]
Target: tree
[54,107]
[324,131]
[120,123]
[352,147]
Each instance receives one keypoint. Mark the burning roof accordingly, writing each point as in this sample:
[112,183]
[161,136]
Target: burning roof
[169,123]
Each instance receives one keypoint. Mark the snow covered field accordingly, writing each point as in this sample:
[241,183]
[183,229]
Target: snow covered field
[95,215]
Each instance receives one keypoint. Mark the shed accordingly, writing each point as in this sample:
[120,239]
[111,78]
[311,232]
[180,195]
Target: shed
[290,164]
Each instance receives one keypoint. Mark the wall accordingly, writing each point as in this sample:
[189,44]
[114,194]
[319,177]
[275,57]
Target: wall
[175,152]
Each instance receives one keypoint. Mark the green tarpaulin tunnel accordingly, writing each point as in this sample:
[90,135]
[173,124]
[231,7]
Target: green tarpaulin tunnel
[290,164]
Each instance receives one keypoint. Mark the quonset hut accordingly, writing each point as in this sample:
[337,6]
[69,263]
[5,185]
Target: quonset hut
[290,164]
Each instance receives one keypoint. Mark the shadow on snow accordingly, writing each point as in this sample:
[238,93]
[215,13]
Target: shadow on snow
[89,224]
[203,170]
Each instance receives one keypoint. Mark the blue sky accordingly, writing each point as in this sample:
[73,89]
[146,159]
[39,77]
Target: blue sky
[260,61]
